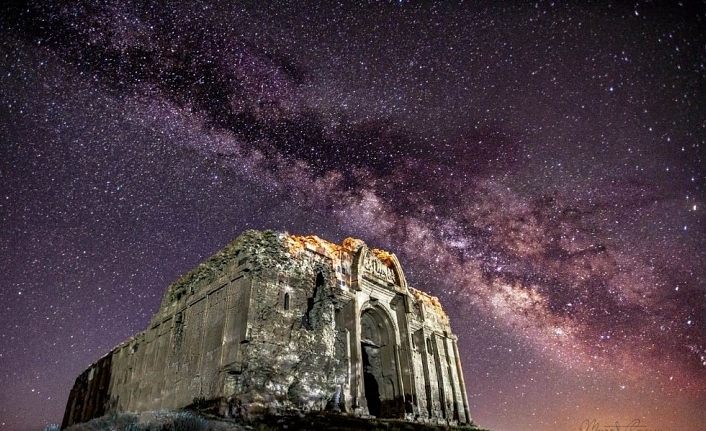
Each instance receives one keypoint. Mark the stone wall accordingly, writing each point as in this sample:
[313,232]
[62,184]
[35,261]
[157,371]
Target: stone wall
[275,323]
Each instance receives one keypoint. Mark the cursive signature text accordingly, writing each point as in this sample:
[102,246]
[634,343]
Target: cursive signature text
[634,425]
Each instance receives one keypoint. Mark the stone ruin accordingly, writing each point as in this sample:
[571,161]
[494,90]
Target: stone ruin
[276,324]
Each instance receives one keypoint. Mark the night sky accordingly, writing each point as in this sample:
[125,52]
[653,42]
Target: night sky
[539,167]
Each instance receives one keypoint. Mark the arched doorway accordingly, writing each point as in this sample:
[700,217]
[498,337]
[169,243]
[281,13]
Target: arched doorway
[380,382]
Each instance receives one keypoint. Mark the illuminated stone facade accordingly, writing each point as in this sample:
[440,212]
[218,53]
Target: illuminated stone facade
[276,323]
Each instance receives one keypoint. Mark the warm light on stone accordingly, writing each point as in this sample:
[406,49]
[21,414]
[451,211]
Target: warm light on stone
[277,323]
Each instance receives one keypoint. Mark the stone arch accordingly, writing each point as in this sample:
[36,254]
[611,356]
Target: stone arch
[399,274]
[400,281]
[381,384]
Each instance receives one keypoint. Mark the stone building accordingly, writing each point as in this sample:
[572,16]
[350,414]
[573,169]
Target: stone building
[276,323]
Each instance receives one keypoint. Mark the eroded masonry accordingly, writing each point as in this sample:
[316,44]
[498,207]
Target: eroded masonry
[276,323]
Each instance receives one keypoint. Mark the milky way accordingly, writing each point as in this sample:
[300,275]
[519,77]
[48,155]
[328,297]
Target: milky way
[538,167]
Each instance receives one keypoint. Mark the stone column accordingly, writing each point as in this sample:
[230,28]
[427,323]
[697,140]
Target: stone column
[427,377]
[352,318]
[439,375]
[453,379]
[400,381]
[462,382]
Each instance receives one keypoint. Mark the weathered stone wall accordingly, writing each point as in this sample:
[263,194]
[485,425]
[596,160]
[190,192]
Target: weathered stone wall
[275,323]
[88,397]
[295,360]
[440,383]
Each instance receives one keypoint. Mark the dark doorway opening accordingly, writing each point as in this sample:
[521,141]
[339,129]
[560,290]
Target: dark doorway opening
[381,387]
[372,390]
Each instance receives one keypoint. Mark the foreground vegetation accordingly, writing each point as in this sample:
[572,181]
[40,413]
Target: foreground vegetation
[197,421]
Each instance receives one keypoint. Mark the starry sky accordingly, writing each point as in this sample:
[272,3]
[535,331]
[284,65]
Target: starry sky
[538,166]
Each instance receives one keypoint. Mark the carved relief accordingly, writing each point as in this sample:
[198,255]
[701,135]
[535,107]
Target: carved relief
[374,267]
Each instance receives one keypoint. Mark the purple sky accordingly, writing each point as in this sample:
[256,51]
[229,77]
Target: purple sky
[539,167]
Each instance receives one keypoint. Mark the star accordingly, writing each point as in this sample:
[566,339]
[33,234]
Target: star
[527,163]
